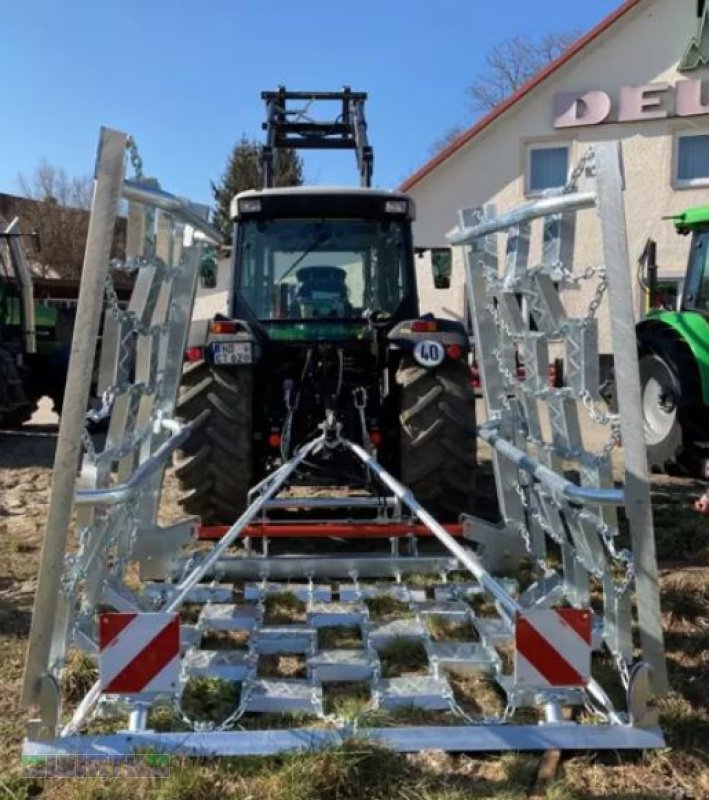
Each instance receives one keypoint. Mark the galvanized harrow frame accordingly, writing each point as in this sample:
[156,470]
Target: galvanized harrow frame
[569,530]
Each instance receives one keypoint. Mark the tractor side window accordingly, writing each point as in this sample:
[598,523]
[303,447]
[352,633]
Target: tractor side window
[321,269]
[699,272]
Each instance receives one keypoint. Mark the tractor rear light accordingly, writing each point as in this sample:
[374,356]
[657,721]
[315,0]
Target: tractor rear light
[274,440]
[396,206]
[222,326]
[194,354]
[454,351]
[375,438]
[424,326]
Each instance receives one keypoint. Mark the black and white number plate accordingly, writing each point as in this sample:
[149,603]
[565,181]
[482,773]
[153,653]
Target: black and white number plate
[232,353]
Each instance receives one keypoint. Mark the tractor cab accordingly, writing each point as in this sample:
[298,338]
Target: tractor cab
[322,264]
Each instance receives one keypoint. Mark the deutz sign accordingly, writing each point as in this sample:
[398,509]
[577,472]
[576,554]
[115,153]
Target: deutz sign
[633,104]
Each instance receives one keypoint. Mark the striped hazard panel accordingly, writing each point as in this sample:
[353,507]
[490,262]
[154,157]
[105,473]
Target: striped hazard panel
[139,653]
[553,647]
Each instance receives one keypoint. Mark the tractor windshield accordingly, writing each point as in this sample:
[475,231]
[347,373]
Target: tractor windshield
[317,269]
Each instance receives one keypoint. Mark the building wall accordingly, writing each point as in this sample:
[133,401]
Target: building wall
[643,47]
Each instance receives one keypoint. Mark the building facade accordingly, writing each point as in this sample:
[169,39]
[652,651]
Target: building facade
[640,77]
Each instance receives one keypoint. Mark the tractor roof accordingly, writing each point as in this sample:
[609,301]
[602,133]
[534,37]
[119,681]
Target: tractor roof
[691,218]
[360,197]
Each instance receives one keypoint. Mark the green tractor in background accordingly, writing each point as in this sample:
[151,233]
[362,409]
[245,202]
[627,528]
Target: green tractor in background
[34,352]
[674,357]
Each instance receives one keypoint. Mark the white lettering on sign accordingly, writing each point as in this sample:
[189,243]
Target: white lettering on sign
[573,109]
[688,98]
[642,102]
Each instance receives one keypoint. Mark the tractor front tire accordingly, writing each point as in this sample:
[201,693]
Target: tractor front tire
[438,436]
[673,412]
[214,466]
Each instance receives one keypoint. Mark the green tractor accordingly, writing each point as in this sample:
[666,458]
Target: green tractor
[674,357]
[324,323]
[33,354]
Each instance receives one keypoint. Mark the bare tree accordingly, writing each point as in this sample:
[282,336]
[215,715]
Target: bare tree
[56,205]
[49,182]
[511,63]
[449,136]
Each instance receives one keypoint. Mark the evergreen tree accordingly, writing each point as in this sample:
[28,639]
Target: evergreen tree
[243,171]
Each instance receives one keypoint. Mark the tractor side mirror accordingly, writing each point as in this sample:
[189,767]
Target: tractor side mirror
[442,266]
[36,241]
[208,271]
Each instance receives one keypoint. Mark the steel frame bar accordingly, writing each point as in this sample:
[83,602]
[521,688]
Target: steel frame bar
[158,198]
[123,491]
[522,214]
[331,502]
[549,478]
[318,530]
[468,738]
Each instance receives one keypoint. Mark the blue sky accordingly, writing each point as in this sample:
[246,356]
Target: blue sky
[185,77]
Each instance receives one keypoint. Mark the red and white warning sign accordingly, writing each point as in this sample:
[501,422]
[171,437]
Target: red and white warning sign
[553,647]
[139,653]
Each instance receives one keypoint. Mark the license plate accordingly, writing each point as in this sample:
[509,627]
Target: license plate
[232,353]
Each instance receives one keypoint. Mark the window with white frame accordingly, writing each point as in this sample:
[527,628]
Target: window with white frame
[547,167]
[692,159]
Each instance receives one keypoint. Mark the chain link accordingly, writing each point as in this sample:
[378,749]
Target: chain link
[585,166]
[135,159]
[597,298]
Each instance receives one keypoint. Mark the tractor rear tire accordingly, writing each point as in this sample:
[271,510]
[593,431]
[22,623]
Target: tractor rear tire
[438,436]
[214,466]
[673,412]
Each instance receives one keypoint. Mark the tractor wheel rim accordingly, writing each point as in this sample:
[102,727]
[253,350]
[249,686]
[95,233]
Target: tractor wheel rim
[659,401]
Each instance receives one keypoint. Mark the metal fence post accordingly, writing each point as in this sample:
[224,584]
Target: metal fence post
[107,193]
[637,484]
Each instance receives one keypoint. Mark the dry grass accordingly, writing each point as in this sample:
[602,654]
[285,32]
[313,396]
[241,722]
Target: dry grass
[281,667]
[442,629]
[283,608]
[384,608]
[403,657]
[332,637]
